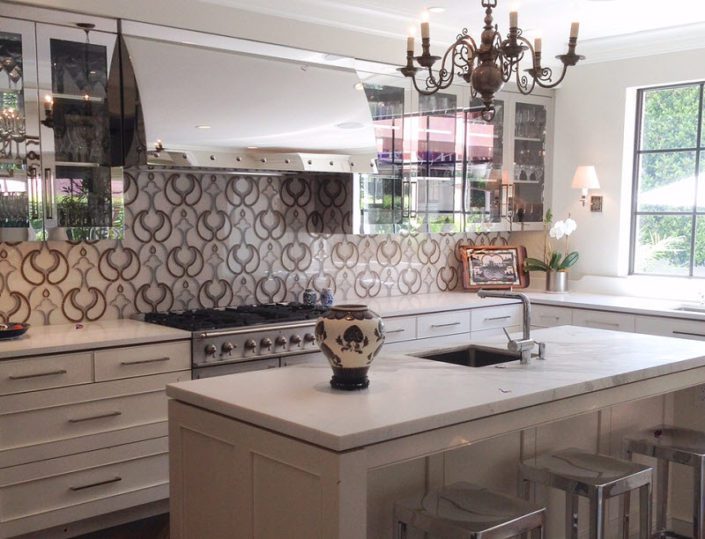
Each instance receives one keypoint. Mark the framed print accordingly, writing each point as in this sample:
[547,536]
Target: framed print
[493,267]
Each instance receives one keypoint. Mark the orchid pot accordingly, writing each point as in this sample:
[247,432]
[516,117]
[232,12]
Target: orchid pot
[555,263]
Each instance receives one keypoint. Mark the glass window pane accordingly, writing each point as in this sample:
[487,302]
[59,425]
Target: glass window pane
[699,268]
[663,244]
[670,118]
[666,182]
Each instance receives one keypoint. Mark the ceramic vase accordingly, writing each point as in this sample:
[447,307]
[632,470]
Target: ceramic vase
[309,297]
[350,336]
[327,297]
[556,281]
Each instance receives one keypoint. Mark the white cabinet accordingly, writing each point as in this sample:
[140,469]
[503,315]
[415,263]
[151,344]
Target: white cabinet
[84,433]
[671,327]
[604,320]
[399,329]
[492,320]
[440,324]
[546,316]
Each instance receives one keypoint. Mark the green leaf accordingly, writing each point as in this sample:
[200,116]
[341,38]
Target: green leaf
[555,260]
[534,264]
[549,217]
[569,260]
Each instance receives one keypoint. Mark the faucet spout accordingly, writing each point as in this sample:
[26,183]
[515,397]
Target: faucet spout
[526,344]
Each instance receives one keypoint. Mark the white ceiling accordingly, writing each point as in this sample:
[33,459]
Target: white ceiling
[609,28]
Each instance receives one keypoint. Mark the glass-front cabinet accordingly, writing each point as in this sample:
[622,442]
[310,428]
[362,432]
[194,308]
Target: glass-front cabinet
[442,168]
[58,179]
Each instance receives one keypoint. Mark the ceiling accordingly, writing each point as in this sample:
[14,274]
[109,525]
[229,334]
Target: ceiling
[609,28]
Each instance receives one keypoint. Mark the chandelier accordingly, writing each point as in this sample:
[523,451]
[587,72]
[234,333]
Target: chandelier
[487,66]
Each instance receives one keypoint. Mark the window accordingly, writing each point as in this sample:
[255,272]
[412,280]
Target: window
[668,203]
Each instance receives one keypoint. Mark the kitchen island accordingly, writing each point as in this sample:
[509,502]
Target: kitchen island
[280,454]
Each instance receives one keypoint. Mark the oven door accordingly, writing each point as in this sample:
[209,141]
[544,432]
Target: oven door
[234,368]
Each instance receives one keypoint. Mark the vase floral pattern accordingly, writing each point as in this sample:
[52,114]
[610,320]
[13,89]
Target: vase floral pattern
[350,336]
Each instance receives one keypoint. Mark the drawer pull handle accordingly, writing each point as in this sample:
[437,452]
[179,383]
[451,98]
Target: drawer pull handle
[690,334]
[445,325]
[91,418]
[37,375]
[145,361]
[98,484]
[494,319]
[597,323]
[550,317]
[400,330]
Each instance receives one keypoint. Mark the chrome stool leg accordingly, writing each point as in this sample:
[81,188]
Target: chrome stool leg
[662,479]
[597,515]
[698,500]
[645,512]
[571,516]
[626,514]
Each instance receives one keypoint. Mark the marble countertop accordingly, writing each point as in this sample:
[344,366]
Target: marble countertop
[450,301]
[61,338]
[409,395]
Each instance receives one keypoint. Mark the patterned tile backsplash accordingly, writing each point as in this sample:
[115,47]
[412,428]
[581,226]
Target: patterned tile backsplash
[203,239]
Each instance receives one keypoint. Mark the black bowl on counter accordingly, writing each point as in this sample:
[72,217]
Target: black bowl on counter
[12,330]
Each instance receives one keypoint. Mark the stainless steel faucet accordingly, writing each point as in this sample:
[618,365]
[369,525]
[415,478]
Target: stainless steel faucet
[526,345]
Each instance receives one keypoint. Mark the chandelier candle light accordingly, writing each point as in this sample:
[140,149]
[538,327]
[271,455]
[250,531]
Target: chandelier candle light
[488,66]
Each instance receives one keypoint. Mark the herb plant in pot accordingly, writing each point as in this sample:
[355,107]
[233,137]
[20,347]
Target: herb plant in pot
[555,263]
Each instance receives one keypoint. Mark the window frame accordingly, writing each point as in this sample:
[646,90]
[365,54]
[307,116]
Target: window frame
[698,149]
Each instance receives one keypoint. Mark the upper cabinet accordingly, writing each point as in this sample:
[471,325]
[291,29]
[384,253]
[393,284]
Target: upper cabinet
[442,168]
[61,181]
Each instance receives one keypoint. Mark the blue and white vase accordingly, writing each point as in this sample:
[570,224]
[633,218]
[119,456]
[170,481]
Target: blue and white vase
[327,297]
[350,336]
[309,297]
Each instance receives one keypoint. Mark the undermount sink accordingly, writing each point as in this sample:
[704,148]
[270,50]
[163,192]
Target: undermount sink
[472,356]
[697,308]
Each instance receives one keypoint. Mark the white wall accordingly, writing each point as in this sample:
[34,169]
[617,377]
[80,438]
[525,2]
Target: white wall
[595,125]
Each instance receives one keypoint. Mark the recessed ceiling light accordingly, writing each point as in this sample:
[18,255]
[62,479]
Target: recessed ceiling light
[253,147]
[203,127]
[436,9]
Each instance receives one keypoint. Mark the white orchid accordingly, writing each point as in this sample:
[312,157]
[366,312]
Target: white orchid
[570,225]
[555,260]
[557,230]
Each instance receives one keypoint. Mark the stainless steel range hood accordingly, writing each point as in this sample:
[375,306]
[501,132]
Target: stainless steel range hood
[214,101]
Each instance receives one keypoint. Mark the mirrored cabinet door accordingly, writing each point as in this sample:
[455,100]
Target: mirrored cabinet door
[20,181]
[530,125]
[83,191]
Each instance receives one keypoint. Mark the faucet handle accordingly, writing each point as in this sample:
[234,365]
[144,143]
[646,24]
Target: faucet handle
[542,350]
[507,334]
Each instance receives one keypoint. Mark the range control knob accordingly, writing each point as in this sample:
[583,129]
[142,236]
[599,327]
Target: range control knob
[295,340]
[211,349]
[280,341]
[309,338]
[266,343]
[250,345]
[228,347]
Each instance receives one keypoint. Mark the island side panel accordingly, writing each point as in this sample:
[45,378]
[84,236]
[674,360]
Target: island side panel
[231,479]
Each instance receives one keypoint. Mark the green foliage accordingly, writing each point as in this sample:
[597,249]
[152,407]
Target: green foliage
[558,262]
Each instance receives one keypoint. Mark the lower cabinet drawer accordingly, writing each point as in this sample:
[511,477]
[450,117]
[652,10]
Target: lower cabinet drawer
[116,363]
[495,317]
[399,329]
[671,327]
[33,373]
[547,316]
[604,320]
[439,324]
[57,491]
[60,414]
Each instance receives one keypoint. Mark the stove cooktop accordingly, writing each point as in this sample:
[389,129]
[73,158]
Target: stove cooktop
[234,317]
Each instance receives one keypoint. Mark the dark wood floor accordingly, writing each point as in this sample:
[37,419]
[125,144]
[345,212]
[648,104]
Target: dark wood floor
[149,528]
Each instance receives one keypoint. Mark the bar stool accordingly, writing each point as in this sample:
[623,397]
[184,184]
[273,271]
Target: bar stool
[673,444]
[596,477]
[466,511]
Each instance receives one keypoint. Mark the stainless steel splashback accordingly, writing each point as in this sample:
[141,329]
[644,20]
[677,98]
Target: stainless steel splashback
[214,101]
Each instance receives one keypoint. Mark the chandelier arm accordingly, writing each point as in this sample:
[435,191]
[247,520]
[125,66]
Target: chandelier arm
[545,78]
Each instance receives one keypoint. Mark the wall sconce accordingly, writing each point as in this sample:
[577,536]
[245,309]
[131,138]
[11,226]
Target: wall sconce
[585,178]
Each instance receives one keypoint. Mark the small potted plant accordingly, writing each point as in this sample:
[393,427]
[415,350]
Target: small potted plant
[555,263]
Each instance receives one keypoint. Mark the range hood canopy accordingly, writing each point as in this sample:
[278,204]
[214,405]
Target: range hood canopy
[214,101]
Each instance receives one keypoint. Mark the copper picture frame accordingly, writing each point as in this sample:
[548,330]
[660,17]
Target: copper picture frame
[494,267]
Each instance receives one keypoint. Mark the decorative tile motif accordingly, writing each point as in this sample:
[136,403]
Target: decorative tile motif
[204,239]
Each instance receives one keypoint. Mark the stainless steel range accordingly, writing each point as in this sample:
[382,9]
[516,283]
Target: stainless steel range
[249,337]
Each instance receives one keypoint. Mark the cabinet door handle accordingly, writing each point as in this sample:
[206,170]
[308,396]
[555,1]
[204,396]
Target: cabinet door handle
[48,193]
[494,319]
[37,375]
[96,484]
[550,317]
[445,325]
[145,361]
[33,192]
[597,323]
[94,417]
[688,333]
[400,330]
